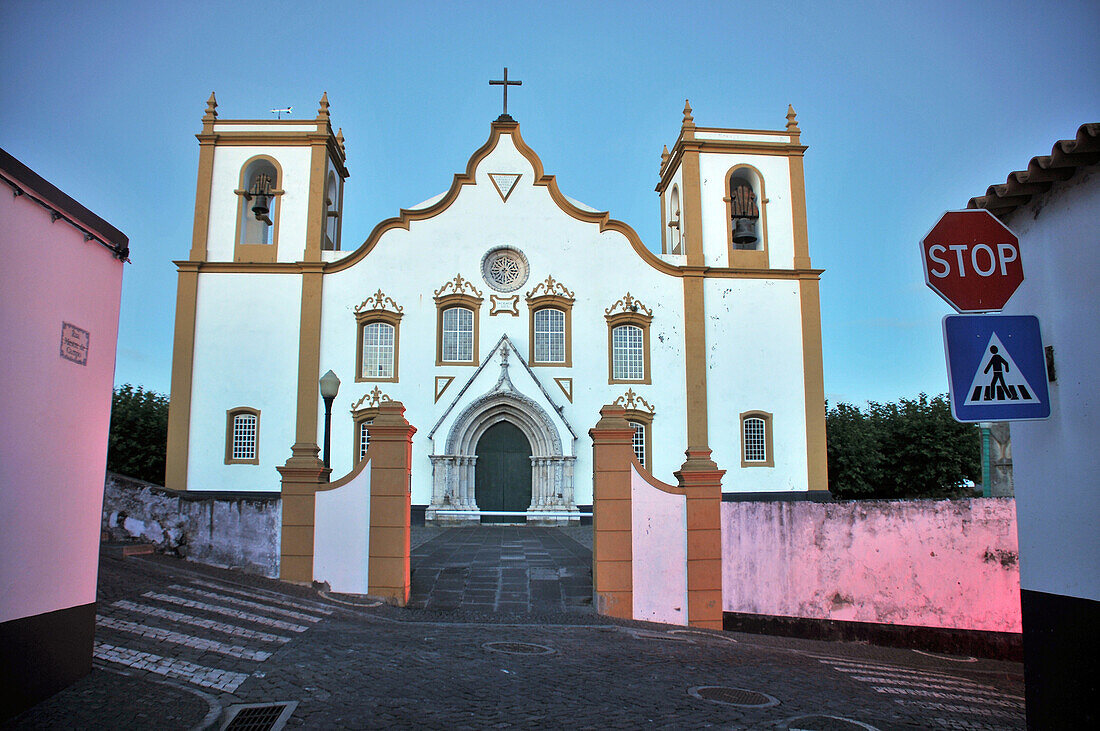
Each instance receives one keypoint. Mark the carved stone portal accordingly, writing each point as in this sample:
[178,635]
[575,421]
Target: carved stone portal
[552,499]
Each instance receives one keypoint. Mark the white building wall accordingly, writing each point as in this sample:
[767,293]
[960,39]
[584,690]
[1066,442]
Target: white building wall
[599,268]
[775,171]
[754,362]
[1056,465]
[246,354]
[293,204]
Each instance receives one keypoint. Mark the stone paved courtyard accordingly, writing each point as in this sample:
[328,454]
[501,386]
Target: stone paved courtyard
[179,645]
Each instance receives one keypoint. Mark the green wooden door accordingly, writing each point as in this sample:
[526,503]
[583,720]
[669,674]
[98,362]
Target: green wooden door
[502,473]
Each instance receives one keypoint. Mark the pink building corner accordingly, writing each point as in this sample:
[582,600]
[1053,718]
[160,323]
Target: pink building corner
[60,291]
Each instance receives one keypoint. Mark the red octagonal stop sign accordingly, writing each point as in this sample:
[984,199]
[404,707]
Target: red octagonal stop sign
[972,260]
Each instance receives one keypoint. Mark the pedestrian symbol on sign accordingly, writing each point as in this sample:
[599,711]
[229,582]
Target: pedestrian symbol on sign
[996,369]
[998,379]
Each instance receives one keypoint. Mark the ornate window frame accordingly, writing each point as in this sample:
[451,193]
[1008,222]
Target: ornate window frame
[263,253]
[458,292]
[769,460]
[747,258]
[231,433]
[377,308]
[554,295]
[363,413]
[628,311]
[640,412]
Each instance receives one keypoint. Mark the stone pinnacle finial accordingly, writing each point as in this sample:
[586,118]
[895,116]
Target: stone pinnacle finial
[211,108]
[792,125]
[340,139]
[322,110]
[664,157]
[689,121]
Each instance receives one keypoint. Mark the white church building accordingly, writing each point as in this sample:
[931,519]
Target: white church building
[503,314]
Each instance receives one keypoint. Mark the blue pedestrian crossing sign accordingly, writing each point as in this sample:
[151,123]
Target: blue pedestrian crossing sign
[996,369]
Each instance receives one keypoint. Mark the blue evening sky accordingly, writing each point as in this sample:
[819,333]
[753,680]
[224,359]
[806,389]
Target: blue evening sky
[909,109]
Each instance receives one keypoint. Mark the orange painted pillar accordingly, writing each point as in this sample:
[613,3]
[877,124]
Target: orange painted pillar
[702,481]
[612,550]
[388,568]
[302,474]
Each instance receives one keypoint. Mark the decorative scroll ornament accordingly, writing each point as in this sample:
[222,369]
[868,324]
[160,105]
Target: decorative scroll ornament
[378,301]
[371,400]
[458,285]
[629,304]
[633,402]
[549,287]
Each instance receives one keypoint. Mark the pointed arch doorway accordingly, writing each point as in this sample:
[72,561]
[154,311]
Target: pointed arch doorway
[502,473]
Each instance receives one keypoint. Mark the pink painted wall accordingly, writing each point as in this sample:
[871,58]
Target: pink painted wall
[658,514]
[926,563]
[54,414]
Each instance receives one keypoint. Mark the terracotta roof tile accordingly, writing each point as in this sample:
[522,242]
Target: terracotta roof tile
[1062,162]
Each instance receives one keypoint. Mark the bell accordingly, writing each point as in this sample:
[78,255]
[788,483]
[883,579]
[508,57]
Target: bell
[744,231]
[260,203]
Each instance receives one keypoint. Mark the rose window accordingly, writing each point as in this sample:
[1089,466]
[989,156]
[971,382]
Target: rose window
[504,269]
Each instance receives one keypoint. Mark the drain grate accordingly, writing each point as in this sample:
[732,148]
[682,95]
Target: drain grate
[518,648]
[258,716]
[733,696]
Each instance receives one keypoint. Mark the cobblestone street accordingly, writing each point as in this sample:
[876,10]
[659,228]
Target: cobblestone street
[178,645]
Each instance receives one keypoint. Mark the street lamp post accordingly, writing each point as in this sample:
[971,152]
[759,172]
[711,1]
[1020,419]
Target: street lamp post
[330,386]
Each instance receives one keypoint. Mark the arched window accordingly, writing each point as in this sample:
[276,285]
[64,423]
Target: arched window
[627,353]
[378,319]
[377,350]
[242,436]
[550,336]
[638,441]
[457,305]
[362,442]
[756,439]
[458,335]
[551,339]
[675,234]
[332,215]
[628,322]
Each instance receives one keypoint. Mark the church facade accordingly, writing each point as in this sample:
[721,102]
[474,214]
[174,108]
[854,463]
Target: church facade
[503,315]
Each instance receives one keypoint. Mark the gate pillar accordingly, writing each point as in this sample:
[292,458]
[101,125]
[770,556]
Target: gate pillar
[388,571]
[701,479]
[612,547]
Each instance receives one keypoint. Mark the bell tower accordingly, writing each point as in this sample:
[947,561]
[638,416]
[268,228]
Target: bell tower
[734,198]
[269,190]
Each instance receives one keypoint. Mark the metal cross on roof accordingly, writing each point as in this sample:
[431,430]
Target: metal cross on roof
[505,83]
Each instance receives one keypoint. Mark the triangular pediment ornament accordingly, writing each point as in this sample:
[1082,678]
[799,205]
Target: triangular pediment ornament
[495,376]
[566,386]
[505,183]
[441,384]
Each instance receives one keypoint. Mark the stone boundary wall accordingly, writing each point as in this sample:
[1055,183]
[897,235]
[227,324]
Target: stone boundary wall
[228,529]
[926,563]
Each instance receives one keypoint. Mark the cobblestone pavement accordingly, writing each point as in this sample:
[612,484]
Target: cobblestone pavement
[503,569]
[178,644]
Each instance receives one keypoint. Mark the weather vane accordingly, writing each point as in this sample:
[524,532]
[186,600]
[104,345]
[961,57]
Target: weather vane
[281,112]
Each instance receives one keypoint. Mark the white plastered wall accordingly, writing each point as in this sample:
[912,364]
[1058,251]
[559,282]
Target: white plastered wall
[754,362]
[599,267]
[246,354]
[341,535]
[293,204]
[1056,466]
[775,171]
